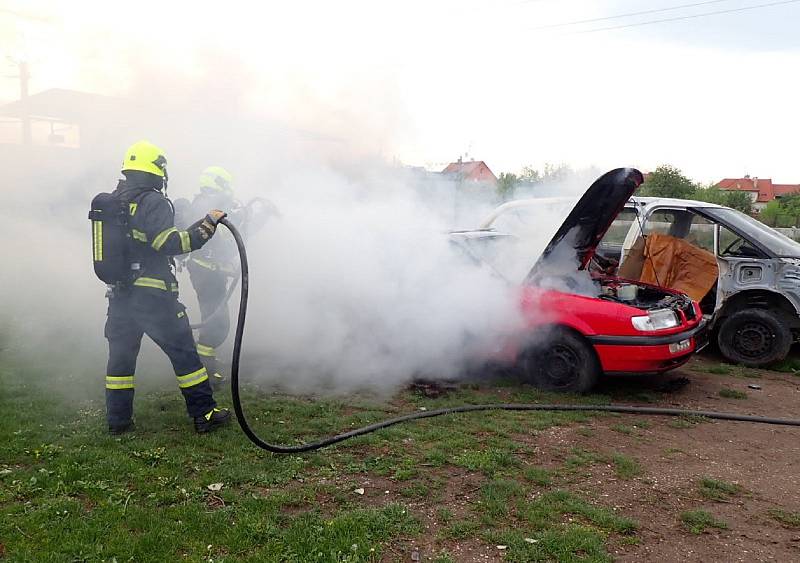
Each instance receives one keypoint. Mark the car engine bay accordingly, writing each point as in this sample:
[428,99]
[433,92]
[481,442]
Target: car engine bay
[645,297]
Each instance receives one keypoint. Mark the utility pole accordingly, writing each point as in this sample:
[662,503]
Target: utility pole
[24,73]
[24,77]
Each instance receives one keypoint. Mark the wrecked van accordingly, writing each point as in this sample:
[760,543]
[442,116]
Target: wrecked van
[745,275]
[580,320]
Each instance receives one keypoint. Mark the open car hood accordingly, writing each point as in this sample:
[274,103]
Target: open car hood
[576,240]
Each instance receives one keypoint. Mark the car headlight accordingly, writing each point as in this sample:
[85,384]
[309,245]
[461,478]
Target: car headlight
[659,319]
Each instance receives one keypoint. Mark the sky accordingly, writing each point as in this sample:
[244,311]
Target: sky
[424,82]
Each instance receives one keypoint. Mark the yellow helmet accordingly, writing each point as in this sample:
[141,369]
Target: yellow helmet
[218,179]
[144,156]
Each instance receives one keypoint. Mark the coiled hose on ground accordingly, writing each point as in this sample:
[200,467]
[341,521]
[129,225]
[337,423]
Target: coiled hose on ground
[330,440]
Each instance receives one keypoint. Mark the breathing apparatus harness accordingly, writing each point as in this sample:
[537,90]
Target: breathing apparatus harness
[330,440]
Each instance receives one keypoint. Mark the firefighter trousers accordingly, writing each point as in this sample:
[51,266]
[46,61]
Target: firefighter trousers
[133,312]
[211,286]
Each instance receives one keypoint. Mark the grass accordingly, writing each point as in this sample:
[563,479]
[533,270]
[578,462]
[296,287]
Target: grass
[461,529]
[488,461]
[731,370]
[626,467]
[631,429]
[786,518]
[580,458]
[553,505]
[791,364]
[683,422]
[732,394]
[714,489]
[538,476]
[560,526]
[698,521]
[69,491]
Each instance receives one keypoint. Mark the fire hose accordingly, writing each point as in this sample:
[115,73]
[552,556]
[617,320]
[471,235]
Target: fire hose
[334,439]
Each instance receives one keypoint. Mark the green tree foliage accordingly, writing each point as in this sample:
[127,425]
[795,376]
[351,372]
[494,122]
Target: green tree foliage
[506,184]
[771,212]
[783,212]
[530,174]
[739,200]
[710,194]
[550,173]
[735,199]
[668,181]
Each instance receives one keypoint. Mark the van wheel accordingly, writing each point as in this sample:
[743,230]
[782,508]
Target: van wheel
[754,338]
[564,363]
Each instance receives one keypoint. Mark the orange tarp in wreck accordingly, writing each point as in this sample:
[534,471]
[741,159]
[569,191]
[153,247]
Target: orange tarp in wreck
[677,264]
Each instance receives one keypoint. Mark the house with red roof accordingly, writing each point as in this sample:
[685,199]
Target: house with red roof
[471,171]
[761,190]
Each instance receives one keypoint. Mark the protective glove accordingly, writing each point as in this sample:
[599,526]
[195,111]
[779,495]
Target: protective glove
[209,224]
[215,216]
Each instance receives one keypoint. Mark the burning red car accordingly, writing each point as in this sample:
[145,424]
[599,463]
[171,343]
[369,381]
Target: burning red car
[580,322]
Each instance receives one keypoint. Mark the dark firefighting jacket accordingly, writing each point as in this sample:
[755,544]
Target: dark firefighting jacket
[154,237]
[221,253]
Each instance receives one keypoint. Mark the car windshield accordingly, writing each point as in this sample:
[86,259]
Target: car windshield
[772,240]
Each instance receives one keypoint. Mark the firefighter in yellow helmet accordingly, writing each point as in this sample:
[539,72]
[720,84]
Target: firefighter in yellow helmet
[214,267]
[146,300]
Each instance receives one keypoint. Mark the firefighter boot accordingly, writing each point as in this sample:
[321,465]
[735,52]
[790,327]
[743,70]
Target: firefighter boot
[117,429]
[212,420]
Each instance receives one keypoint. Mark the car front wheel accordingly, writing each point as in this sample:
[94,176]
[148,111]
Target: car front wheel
[754,338]
[562,362]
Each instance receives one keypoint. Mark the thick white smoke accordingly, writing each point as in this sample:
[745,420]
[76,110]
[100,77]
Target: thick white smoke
[357,285]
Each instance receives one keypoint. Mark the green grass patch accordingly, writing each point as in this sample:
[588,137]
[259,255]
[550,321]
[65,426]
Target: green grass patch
[625,466]
[732,394]
[71,492]
[560,527]
[720,369]
[714,489]
[488,461]
[580,457]
[624,429]
[788,365]
[698,521]
[497,496]
[538,476]
[568,543]
[786,518]
[461,529]
[689,421]
[549,508]
[444,515]
[631,429]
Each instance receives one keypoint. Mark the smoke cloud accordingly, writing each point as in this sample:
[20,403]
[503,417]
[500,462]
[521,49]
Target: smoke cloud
[355,286]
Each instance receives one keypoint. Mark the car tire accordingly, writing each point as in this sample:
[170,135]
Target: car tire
[564,363]
[754,338]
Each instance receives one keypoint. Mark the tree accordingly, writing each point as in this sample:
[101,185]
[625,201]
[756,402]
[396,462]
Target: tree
[668,181]
[506,184]
[769,215]
[783,212]
[710,194]
[530,175]
[551,173]
[739,200]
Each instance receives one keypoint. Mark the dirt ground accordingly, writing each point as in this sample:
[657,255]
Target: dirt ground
[675,455]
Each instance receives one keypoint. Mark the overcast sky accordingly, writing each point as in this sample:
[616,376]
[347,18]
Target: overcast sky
[424,82]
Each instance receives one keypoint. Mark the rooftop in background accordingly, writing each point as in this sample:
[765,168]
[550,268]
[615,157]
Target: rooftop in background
[763,189]
[472,170]
[64,105]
